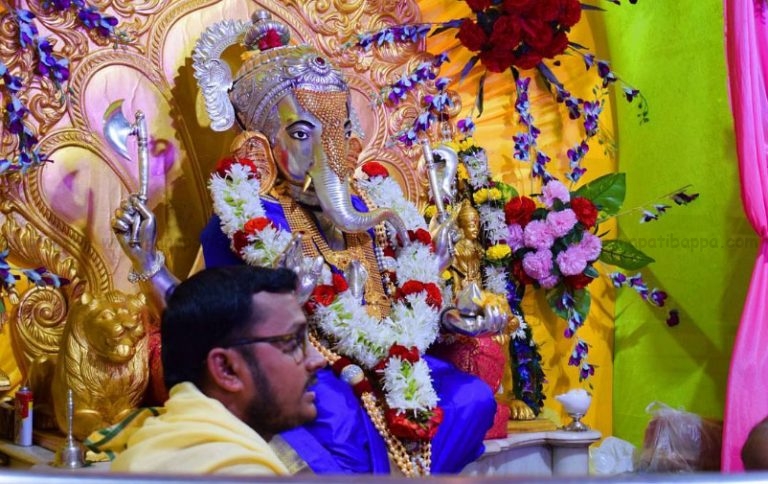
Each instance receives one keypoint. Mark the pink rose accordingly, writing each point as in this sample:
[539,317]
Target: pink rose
[591,246]
[538,264]
[549,282]
[538,235]
[561,222]
[571,261]
[554,190]
[515,238]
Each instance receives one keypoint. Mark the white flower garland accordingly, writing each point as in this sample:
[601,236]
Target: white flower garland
[365,339]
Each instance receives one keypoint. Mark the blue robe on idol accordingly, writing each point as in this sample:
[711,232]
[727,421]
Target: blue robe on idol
[343,439]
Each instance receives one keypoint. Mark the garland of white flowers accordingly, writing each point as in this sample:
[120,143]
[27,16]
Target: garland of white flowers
[413,322]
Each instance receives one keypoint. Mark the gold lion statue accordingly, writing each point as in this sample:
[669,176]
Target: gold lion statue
[103,358]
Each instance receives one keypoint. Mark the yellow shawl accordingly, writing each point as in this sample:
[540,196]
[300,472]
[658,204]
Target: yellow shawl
[194,434]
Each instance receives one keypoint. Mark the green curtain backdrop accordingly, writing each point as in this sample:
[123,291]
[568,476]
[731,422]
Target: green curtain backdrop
[673,52]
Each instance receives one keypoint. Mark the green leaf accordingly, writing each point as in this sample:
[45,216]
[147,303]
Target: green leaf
[553,299]
[582,301]
[480,94]
[606,192]
[507,191]
[623,254]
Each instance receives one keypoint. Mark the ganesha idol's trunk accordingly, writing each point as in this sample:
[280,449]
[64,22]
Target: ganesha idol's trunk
[334,197]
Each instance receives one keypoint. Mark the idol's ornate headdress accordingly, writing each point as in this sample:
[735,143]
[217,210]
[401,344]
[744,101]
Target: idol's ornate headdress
[271,68]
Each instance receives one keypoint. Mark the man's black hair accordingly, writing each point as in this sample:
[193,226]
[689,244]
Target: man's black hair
[209,309]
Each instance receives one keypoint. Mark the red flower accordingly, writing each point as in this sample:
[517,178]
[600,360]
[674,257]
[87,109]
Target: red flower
[389,251]
[471,35]
[506,31]
[478,5]
[239,241]
[421,235]
[519,273]
[528,60]
[410,287]
[407,354]
[567,12]
[585,211]
[499,58]
[579,281]
[339,283]
[374,168]
[402,426]
[270,40]
[256,225]
[225,164]
[518,7]
[434,296]
[323,294]
[557,46]
[519,210]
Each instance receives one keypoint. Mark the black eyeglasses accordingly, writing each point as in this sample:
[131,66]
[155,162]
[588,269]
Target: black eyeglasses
[294,344]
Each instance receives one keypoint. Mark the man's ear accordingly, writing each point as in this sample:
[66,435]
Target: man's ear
[225,369]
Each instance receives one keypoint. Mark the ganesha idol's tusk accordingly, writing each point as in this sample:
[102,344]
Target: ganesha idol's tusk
[307,182]
[429,163]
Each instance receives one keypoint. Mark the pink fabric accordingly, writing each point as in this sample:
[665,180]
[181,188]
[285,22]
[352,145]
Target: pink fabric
[747,52]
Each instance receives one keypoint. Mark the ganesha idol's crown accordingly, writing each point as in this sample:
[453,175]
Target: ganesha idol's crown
[271,68]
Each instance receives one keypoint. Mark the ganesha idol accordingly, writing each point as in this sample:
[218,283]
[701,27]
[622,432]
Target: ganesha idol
[369,269]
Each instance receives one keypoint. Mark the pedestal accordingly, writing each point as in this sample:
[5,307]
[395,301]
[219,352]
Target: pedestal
[552,453]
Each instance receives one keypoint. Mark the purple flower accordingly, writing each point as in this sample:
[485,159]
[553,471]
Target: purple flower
[576,174]
[549,282]
[27,29]
[442,82]
[605,73]
[440,59]
[538,264]
[592,112]
[648,216]
[674,318]
[579,353]
[408,138]
[618,279]
[586,371]
[591,245]
[571,261]
[630,93]
[578,152]
[15,112]
[466,126]
[554,190]
[92,19]
[50,65]
[538,235]
[658,297]
[515,238]
[561,222]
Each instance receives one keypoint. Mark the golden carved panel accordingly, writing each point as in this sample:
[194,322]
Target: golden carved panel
[59,215]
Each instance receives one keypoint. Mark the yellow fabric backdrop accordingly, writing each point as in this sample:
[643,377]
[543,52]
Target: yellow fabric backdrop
[495,129]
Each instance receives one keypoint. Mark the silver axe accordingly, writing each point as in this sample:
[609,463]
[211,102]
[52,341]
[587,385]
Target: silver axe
[117,129]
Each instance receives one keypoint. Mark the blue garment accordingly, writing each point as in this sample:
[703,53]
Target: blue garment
[343,439]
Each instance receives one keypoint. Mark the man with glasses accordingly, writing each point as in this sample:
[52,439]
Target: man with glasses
[239,367]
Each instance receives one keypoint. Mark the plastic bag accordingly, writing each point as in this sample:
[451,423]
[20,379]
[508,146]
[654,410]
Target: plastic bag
[679,441]
[613,456]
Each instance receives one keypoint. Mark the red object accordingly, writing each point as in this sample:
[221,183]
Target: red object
[585,211]
[225,164]
[270,40]
[519,210]
[402,426]
[374,169]
[256,225]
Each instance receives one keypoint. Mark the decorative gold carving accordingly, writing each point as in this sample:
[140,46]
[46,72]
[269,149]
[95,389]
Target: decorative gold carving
[103,359]
[255,147]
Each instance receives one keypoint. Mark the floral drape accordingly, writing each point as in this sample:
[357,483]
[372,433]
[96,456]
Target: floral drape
[747,52]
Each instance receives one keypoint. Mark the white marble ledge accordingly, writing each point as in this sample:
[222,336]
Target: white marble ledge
[555,438]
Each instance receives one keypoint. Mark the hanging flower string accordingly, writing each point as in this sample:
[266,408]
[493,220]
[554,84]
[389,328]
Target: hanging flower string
[48,64]
[9,277]
[387,349]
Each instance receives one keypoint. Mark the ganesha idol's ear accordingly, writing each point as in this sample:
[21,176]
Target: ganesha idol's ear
[255,146]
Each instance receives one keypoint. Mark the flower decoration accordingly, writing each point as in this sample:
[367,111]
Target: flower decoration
[48,64]
[387,350]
